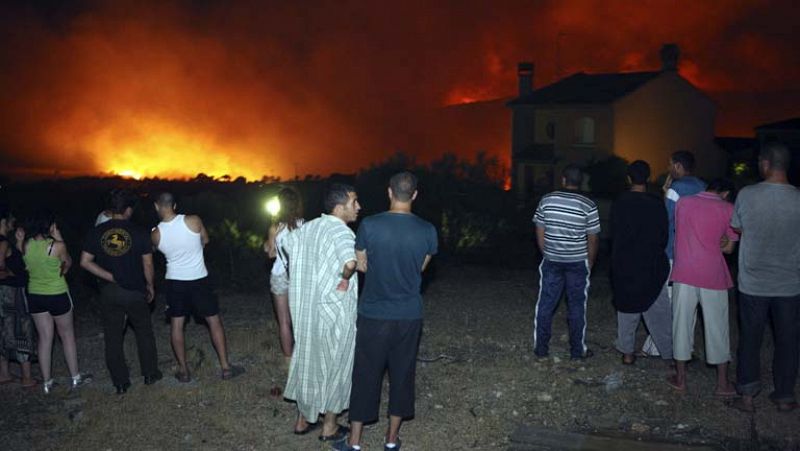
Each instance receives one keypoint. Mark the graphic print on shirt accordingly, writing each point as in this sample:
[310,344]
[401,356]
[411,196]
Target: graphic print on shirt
[116,242]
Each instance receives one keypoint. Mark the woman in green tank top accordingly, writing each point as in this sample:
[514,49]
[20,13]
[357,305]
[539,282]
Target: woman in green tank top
[47,261]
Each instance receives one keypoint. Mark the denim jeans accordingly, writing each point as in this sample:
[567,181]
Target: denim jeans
[754,313]
[554,278]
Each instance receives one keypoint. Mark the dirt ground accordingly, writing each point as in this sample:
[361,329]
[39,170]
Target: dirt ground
[478,384]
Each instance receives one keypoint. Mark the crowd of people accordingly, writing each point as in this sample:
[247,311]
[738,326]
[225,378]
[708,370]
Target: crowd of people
[667,261]
[35,294]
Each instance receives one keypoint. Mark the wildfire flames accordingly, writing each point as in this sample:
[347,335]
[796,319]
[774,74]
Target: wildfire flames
[245,88]
[148,149]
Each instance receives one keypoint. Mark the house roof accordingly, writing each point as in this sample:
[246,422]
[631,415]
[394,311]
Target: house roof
[735,144]
[788,124]
[582,88]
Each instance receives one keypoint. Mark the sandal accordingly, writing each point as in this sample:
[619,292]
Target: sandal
[183,378]
[339,435]
[33,383]
[310,427]
[725,394]
[672,382]
[8,381]
[231,372]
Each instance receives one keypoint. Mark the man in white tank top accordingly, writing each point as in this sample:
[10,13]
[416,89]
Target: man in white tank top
[181,239]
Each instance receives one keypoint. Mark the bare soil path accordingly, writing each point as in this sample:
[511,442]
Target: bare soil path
[478,386]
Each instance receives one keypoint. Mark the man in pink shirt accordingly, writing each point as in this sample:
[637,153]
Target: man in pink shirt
[700,276]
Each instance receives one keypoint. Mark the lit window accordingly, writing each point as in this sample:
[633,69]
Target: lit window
[584,130]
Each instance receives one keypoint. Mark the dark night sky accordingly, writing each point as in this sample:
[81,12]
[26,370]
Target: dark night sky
[251,88]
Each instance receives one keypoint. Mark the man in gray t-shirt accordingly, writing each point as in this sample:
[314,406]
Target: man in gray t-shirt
[768,216]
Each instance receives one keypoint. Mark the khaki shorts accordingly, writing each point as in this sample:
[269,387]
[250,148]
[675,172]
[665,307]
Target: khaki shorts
[685,301]
[279,284]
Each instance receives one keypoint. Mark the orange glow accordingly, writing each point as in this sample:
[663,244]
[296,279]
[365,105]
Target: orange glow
[143,88]
[149,148]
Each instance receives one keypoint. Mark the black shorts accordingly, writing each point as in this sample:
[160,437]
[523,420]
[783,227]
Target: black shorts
[190,296]
[55,304]
[381,345]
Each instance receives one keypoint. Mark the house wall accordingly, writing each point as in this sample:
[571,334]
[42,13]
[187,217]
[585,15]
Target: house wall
[530,126]
[565,119]
[522,134]
[665,115]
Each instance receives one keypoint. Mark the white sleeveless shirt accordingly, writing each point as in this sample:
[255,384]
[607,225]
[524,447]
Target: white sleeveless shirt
[183,249]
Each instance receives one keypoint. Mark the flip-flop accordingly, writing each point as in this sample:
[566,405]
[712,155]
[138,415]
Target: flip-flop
[8,381]
[31,385]
[725,394]
[674,385]
[183,378]
[231,372]
[340,434]
[310,427]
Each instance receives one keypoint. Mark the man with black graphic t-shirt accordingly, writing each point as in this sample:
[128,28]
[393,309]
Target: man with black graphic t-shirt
[121,255]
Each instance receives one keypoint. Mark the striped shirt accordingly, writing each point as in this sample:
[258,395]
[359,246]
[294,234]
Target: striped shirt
[323,318]
[567,218]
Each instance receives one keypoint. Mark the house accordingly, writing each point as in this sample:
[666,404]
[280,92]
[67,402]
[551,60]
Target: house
[586,118]
[788,133]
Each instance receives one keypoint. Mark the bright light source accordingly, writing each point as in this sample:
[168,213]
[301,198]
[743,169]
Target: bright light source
[273,206]
[128,173]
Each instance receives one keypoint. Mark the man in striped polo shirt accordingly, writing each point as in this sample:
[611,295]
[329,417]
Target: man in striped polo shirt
[567,225]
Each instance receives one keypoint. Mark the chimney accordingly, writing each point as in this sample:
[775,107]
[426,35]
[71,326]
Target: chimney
[525,73]
[670,53]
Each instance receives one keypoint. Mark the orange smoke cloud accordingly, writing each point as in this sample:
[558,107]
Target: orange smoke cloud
[251,88]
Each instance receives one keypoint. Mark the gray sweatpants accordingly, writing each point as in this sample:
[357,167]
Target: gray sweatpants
[658,319]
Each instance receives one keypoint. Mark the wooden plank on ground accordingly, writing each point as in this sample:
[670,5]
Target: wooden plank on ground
[530,438]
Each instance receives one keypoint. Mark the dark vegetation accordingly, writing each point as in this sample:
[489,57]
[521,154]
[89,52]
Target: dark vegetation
[477,220]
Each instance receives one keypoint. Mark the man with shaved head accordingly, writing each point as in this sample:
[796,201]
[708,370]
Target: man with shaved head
[393,249]
[181,239]
[768,215]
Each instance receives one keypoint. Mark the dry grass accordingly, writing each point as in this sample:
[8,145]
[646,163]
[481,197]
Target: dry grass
[485,384]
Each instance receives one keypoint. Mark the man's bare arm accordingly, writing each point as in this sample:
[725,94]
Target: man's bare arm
[425,262]
[149,275]
[203,232]
[727,245]
[592,244]
[195,224]
[540,238]
[88,263]
[155,237]
[348,270]
[4,272]
[361,260]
